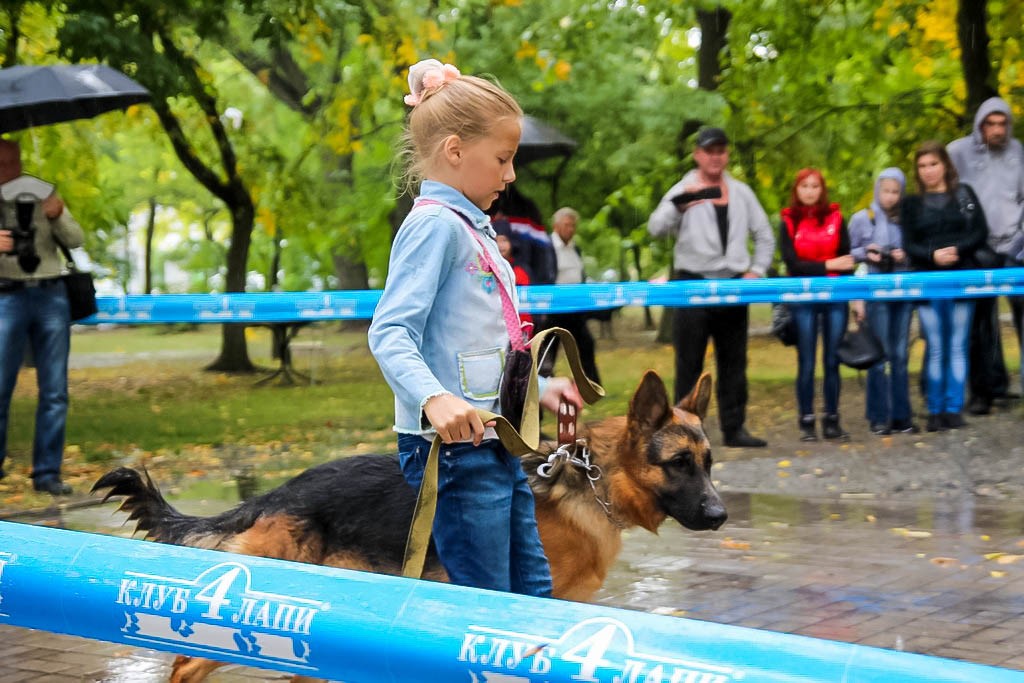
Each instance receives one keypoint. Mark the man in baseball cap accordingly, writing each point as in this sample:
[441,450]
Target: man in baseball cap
[710,215]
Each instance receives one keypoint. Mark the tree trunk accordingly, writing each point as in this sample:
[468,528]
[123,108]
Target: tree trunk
[352,275]
[147,257]
[714,32]
[972,31]
[234,354]
[275,261]
[13,35]
[714,28]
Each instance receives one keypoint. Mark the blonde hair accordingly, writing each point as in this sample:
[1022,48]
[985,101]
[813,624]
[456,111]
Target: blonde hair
[467,106]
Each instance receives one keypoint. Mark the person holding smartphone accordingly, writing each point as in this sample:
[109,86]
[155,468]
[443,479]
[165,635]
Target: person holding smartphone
[711,216]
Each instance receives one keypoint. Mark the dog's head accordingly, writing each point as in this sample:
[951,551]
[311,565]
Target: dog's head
[667,456]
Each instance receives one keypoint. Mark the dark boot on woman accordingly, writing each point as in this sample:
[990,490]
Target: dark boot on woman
[807,431]
[953,420]
[830,428]
[936,422]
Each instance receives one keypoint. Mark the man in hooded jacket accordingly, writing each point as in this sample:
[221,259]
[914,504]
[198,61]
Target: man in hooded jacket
[991,161]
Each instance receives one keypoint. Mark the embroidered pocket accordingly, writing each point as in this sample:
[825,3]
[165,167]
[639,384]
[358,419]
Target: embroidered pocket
[480,372]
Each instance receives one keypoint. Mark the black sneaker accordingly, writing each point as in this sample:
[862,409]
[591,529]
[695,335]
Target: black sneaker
[980,405]
[953,420]
[741,438]
[905,427]
[830,428]
[880,428]
[936,423]
[55,487]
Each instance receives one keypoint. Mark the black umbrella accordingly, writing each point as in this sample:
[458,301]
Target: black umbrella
[541,141]
[40,95]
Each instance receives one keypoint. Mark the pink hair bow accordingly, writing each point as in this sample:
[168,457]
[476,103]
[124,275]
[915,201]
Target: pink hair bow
[428,75]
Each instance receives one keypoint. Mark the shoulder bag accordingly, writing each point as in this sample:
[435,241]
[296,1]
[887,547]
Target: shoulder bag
[783,324]
[80,288]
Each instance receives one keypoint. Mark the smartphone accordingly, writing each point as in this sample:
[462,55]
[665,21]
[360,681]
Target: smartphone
[706,193]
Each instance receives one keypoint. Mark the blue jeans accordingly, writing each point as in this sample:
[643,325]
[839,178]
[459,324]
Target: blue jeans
[485,528]
[946,324]
[831,320]
[38,315]
[888,393]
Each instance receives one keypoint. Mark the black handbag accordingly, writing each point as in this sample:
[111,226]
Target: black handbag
[860,348]
[783,324]
[80,289]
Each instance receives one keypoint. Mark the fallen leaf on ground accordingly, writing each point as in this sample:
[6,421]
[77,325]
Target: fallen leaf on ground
[910,533]
[730,544]
[944,561]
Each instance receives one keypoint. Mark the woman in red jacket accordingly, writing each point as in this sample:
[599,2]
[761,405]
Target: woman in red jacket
[814,241]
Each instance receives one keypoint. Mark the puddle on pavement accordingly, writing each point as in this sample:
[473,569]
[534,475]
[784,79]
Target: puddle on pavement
[758,510]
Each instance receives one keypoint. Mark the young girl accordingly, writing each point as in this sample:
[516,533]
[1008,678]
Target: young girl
[877,240]
[440,333]
[814,241]
[943,226]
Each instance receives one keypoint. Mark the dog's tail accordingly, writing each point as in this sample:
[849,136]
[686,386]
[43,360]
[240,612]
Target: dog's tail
[146,505]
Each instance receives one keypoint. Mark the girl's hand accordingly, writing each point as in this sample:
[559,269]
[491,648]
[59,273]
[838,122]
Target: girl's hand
[454,419]
[561,389]
[840,263]
[898,255]
[6,241]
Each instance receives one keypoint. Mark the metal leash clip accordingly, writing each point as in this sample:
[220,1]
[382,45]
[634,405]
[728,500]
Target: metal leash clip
[573,454]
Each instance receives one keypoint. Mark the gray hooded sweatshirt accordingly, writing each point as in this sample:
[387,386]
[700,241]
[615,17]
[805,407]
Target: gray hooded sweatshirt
[997,176]
[873,225]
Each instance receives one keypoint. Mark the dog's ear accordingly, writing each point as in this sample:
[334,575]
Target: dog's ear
[699,397]
[649,408]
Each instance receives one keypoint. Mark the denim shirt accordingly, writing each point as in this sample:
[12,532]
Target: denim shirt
[438,327]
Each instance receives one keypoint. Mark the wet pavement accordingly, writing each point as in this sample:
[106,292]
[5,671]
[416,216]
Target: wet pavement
[908,542]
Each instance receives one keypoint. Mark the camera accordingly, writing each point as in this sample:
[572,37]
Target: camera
[705,193]
[885,263]
[22,232]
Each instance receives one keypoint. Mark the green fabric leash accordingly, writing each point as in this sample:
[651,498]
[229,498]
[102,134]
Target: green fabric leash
[523,441]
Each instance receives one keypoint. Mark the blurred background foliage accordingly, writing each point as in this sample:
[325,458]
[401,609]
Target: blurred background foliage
[268,157]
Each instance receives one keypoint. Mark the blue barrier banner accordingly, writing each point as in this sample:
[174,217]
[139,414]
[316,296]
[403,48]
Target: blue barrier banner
[281,307]
[367,628]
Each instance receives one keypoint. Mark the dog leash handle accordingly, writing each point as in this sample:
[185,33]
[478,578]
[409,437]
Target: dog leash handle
[566,424]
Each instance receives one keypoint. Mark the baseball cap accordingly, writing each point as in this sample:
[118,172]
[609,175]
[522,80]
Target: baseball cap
[707,137]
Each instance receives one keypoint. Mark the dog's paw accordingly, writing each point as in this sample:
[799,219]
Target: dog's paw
[192,669]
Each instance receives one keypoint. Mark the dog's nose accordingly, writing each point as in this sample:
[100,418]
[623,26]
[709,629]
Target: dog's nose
[714,512]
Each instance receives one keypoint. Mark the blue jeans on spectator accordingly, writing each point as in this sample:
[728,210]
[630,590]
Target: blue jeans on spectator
[888,393]
[946,324]
[37,316]
[485,528]
[831,320]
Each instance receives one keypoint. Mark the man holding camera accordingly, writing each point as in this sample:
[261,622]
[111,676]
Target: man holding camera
[711,215]
[34,309]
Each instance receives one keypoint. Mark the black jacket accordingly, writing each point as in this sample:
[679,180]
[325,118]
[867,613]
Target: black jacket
[959,223]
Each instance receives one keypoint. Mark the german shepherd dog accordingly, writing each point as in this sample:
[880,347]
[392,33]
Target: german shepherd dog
[355,512]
